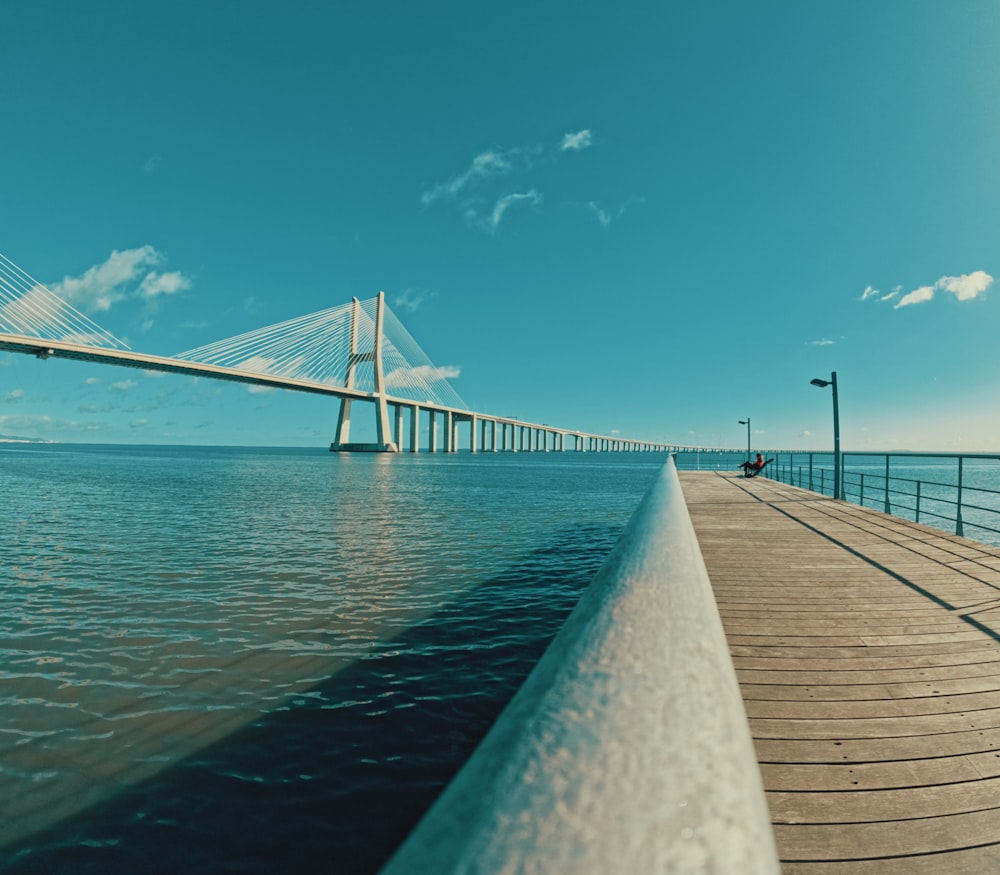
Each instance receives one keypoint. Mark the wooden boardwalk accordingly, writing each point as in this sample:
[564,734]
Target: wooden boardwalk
[868,651]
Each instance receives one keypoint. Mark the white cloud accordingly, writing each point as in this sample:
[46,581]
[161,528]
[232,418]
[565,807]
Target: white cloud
[824,342]
[421,373]
[506,202]
[105,284]
[91,381]
[496,162]
[579,140]
[124,385]
[605,218]
[124,274]
[37,309]
[602,216]
[968,286]
[14,396]
[483,165]
[411,299]
[917,296]
[155,284]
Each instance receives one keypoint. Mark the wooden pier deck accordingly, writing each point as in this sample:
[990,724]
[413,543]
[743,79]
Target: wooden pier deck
[868,652]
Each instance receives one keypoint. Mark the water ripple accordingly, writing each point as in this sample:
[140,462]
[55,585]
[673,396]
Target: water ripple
[176,622]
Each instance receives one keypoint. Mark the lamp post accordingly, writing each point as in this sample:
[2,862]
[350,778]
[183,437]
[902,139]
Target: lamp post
[837,490]
[746,422]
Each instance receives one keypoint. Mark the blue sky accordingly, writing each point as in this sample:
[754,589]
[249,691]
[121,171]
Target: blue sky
[651,219]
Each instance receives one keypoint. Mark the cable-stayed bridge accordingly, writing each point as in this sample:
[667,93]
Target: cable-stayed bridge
[355,352]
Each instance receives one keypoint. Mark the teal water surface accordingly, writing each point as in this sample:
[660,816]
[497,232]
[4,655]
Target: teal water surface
[259,660]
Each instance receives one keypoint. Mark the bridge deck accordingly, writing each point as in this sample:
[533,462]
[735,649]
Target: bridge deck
[868,652]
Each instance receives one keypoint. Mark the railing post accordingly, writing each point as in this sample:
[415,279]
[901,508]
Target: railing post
[811,473]
[888,509]
[918,502]
[861,498]
[959,527]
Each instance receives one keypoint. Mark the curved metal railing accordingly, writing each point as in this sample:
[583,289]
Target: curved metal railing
[627,749]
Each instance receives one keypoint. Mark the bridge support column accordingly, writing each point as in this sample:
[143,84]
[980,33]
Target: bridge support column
[382,443]
[493,441]
[414,429]
[449,432]
[473,422]
[399,427]
[432,431]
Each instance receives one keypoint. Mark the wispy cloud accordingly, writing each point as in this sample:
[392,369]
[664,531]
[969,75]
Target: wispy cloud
[509,200]
[917,296]
[966,287]
[124,385]
[411,299]
[421,374]
[484,165]
[471,189]
[824,342]
[126,274]
[14,396]
[579,140]
[604,217]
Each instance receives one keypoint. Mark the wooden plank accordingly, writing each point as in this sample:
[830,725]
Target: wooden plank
[868,651]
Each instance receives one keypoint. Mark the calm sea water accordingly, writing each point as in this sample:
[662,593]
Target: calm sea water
[219,659]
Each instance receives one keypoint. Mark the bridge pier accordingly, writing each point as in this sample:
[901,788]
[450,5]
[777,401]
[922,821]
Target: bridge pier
[414,428]
[432,431]
[382,443]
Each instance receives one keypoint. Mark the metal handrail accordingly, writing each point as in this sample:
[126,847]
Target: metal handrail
[627,749]
[951,506]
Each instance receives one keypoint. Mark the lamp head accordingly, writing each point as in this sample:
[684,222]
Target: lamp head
[744,422]
[818,382]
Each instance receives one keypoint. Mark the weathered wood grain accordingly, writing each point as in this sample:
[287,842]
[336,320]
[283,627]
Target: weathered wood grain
[868,652]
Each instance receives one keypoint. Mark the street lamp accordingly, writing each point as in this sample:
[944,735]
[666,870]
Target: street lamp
[746,422]
[837,491]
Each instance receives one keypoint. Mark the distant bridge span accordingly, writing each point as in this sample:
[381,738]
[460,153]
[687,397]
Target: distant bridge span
[342,352]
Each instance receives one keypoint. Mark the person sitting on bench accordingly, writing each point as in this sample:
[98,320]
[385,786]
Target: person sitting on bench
[752,469]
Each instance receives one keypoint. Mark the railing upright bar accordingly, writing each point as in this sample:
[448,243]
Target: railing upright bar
[959,526]
[888,509]
[918,502]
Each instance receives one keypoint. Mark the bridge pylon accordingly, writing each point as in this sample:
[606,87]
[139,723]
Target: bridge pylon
[382,444]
